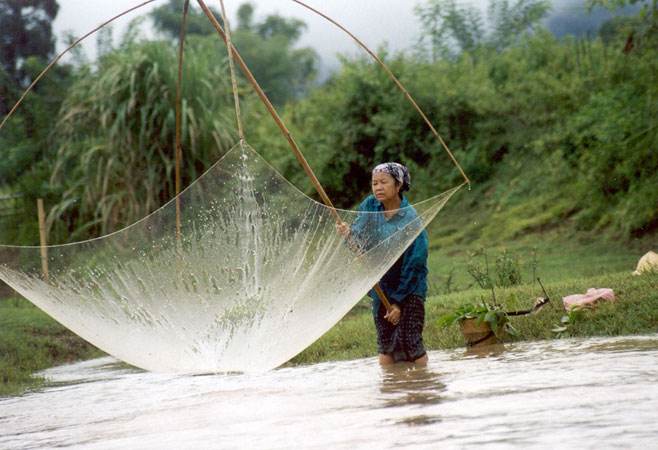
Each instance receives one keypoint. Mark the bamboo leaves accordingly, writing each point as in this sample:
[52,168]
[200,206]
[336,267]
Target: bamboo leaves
[116,133]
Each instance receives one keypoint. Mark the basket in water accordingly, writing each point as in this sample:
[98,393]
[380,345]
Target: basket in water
[478,335]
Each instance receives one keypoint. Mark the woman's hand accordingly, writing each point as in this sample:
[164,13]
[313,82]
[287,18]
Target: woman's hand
[393,315]
[343,229]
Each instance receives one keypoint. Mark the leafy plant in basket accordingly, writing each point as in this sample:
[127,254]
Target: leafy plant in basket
[489,317]
[484,312]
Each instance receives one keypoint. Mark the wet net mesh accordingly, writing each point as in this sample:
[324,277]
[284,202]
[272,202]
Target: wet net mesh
[258,274]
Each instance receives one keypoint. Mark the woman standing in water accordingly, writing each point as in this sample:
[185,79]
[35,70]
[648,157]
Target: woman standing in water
[400,330]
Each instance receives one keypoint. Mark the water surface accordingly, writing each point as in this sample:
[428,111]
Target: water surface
[594,393]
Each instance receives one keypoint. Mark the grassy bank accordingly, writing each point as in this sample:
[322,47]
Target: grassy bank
[30,341]
[635,311]
[554,256]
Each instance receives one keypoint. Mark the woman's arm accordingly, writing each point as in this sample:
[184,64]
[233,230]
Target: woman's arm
[359,235]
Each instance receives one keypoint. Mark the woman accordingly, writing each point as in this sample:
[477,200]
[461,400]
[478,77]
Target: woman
[400,330]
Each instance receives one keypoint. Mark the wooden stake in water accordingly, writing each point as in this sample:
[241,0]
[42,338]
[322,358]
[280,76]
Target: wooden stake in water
[42,233]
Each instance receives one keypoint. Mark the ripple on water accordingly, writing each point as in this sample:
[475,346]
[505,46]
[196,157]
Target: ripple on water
[572,393]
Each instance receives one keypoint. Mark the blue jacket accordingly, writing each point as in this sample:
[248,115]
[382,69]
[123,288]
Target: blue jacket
[408,276]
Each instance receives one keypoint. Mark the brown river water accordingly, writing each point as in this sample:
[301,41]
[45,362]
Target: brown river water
[570,393]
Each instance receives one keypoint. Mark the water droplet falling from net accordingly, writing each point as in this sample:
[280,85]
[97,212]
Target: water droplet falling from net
[259,274]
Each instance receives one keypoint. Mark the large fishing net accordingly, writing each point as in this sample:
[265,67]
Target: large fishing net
[258,274]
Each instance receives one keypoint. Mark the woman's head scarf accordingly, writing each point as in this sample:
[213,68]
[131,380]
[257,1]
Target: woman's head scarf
[397,171]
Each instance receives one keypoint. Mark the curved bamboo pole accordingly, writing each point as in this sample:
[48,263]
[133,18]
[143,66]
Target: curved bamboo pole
[413,102]
[285,132]
[54,61]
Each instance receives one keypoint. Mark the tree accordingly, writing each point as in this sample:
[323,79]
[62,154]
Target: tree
[509,21]
[267,47]
[26,137]
[449,28]
[26,41]
[453,29]
[25,30]
[168,18]
[8,91]
[115,136]
[643,30]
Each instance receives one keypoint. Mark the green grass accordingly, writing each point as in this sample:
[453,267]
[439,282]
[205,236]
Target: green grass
[549,256]
[31,341]
[635,311]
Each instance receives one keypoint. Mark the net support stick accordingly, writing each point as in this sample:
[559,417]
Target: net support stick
[179,96]
[44,242]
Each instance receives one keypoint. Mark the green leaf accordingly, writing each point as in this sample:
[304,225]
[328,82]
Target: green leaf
[446,320]
[511,330]
[492,318]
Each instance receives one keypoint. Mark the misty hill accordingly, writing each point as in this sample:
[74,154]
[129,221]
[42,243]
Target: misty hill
[571,17]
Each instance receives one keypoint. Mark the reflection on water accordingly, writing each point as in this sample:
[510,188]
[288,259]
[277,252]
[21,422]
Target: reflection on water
[409,384]
[594,393]
[482,351]
[405,385]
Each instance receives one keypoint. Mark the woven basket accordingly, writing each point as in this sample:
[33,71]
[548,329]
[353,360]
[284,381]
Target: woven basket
[477,335]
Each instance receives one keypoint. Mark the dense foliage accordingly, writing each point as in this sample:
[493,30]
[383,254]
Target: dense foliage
[26,42]
[529,123]
[115,158]
[267,45]
[549,131]
[25,30]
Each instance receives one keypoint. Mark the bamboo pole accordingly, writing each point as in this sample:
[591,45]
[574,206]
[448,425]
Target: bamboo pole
[286,133]
[42,235]
[179,85]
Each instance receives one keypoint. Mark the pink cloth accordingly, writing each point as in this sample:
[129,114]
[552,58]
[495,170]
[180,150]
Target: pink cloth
[591,296]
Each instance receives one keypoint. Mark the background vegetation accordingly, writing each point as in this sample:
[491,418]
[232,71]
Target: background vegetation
[529,117]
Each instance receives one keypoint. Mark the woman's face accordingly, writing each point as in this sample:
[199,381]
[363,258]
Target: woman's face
[384,186]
